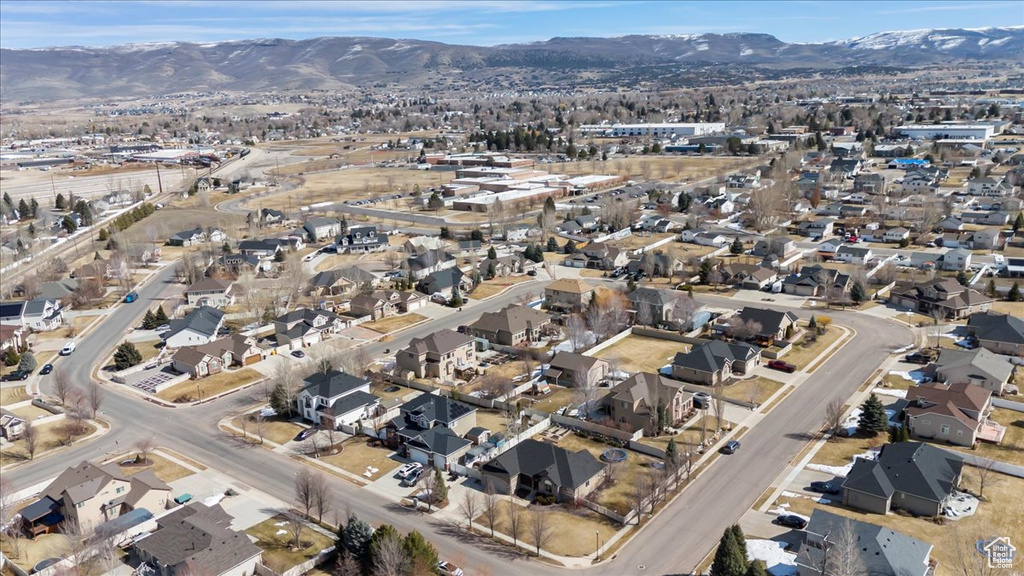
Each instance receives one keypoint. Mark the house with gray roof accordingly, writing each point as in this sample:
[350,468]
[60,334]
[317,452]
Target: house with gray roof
[911,476]
[442,354]
[199,326]
[62,289]
[774,324]
[879,550]
[999,333]
[654,307]
[854,254]
[306,326]
[187,237]
[430,261]
[43,314]
[715,361]
[944,295]
[430,428]
[445,282]
[544,469]
[336,398]
[341,281]
[980,367]
[361,240]
[322,228]
[198,537]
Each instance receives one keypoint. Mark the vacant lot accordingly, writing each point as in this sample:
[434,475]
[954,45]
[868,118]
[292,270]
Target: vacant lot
[567,528]
[637,241]
[276,431]
[277,541]
[755,390]
[394,323]
[642,353]
[190,390]
[357,455]
[358,184]
[164,468]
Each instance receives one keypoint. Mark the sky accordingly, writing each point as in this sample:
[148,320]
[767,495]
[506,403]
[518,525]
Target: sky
[34,24]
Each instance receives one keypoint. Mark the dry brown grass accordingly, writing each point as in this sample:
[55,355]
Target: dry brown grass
[493,421]
[557,399]
[278,552]
[494,286]
[356,455]
[802,356]
[33,551]
[761,387]
[636,241]
[276,431]
[688,437]
[30,412]
[14,395]
[567,529]
[356,184]
[1011,449]
[162,467]
[394,323]
[840,451]
[50,437]
[1011,308]
[187,391]
[642,353]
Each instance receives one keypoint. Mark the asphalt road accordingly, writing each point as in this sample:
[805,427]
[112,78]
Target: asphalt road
[673,543]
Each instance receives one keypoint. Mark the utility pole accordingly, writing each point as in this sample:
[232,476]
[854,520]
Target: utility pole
[159,182]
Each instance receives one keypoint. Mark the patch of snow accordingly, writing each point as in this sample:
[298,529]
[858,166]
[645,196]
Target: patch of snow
[281,523]
[891,392]
[746,52]
[843,470]
[789,494]
[213,500]
[589,339]
[773,554]
[780,510]
[701,46]
[823,500]
[280,532]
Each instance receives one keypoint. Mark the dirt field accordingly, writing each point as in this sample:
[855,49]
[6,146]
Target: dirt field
[641,353]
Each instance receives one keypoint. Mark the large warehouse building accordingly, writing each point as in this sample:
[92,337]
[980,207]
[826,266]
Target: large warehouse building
[934,131]
[668,130]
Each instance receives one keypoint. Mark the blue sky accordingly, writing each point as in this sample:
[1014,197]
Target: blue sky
[28,24]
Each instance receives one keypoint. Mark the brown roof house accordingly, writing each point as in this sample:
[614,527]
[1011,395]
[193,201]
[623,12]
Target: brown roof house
[945,295]
[571,369]
[510,326]
[91,494]
[636,400]
[377,305]
[956,413]
[442,354]
[568,294]
[198,539]
[979,367]
[212,357]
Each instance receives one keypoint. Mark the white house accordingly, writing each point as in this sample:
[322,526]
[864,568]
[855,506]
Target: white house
[210,292]
[853,254]
[896,234]
[335,399]
[956,259]
[989,186]
[200,326]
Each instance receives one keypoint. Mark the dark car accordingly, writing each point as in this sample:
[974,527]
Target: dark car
[701,400]
[825,487]
[918,358]
[782,366]
[305,434]
[16,375]
[730,447]
[298,354]
[46,369]
[791,521]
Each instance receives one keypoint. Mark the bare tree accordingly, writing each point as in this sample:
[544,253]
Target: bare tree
[94,396]
[833,417]
[584,390]
[540,530]
[321,496]
[390,557]
[638,493]
[31,437]
[10,520]
[654,484]
[984,466]
[61,384]
[143,446]
[73,538]
[468,507]
[259,426]
[718,402]
[966,559]
[845,556]
[684,313]
[491,506]
[611,471]
[428,481]
[295,527]
[514,515]
[765,206]
[753,392]
[576,328]
[347,565]
[305,490]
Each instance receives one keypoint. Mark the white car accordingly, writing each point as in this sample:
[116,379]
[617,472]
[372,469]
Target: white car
[449,569]
[409,469]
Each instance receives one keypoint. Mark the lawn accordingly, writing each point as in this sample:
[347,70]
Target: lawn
[1003,514]
[1011,449]
[278,553]
[802,355]
[841,450]
[572,532]
[636,241]
[356,455]
[761,388]
[897,382]
[210,386]
[508,370]
[13,395]
[1011,308]
[31,412]
[276,431]
[148,349]
[489,288]
[35,550]
[642,353]
[688,437]
[394,323]
[493,421]
[50,436]
[389,391]
[164,468]
[557,399]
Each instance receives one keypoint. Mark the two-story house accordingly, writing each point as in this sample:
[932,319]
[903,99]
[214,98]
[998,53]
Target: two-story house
[954,413]
[428,262]
[335,399]
[638,401]
[568,294]
[210,292]
[306,326]
[443,354]
[187,237]
[361,240]
[197,537]
[510,326]
[321,228]
[431,429]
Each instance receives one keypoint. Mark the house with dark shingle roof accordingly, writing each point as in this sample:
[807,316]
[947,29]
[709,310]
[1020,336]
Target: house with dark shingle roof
[816,280]
[715,361]
[571,369]
[510,326]
[321,228]
[774,323]
[944,294]
[198,537]
[544,469]
[335,399]
[438,355]
[430,261]
[361,239]
[879,550]
[635,401]
[911,476]
[979,367]
[429,430]
[187,237]
[199,326]
[210,292]
[306,326]
[999,333]
[444,282]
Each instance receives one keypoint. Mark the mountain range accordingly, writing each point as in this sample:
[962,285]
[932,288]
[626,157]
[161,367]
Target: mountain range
[340,62]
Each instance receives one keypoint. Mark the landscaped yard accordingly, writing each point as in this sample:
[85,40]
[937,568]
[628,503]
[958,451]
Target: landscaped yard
[841,450]
[1011,449]
[755,390]
[691,436]
[394,323]
[804,355]
[567,529]
[489,288]
[1011,308]
[356,455]
[187,391]
[493,421]
[30,412]
[164,468]
[557,399]
[12,395]
[276,431]
[276,541]
[642,353]
[898,382]
[50,435]
[148,349]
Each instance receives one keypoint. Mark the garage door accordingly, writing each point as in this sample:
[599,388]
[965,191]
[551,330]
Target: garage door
[252,359]
[419,456]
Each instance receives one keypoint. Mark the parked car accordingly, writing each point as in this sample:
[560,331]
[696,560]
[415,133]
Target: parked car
[67,349]
[782,366]
[730,447]
[305,434]
[412,478]
[298,354]
[163,327]
[449,569]
[531,273]
[409,468]
[701,400]
[791,521]
[16,375]
[921,357]
[46,369]
[825,488]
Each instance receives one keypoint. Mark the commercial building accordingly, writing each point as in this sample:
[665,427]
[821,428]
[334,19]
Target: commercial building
[933,131]
[665,130]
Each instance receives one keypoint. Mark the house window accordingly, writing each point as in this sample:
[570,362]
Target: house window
[80,505]
[119,489]
[944,429]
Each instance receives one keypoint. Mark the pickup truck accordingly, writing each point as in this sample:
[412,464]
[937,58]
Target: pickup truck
[782,366]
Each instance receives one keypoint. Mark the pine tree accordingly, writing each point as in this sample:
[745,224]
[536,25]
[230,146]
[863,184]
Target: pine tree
[1018,223]
[671,452]
[126,356]
[11,357]
[161,316]
[757,569]
[552,244]
[103,236]
[355,537]
[68,225]
[662,415]
[991,290]
[59,203]
[895,435]
[23,210]
[8,202]
[456,299]
[149,320]
[32,229]
[730,558]
[872,417]
[857,293]
[27,362]
[904,433]
[961,278]
[704,273]
[435,202]
[684,201]
[737,246]
[1014,294]
[440,489]
[422,554]
[812,323]
[570,247]
[492,253]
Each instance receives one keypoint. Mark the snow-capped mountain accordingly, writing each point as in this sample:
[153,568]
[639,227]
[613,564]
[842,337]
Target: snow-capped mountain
[966,43]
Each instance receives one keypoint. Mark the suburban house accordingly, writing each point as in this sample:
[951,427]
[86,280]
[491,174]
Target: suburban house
[11,336]
[636,402]
[544,469]
[421,244]
[773,324]
[361,239]
[445,282]
[598,255]
[334,399]
[102,269]
[306,326]
[871,183]
[270,217]
[954,413]
[896,234]
[821,228]
[988,186]
[91,494]
[715,361]
[206,359]
[979,367]
[956,259]
[264,248]
[943,294]
[749,276]
[210,292]
[199,326]
[854,254]
[816,280]
[654,307]
[986,218]
[39,314]
[187,237]
[237,264]
[576,370]
[62,289]
[568,294]
[986,239]
[879,550]
[505,266]
[376,305]
[11,426]
[442,355]
[198,537]
[430,428]
[910,476]
[422,265]
[321,228]
[780,246]
[510,326]
[341,281]
[1000,333]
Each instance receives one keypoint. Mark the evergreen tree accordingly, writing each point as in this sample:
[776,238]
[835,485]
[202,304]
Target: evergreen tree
[895,435]
[27,361]
[730,558]
[857,293]
[11,357]
[280,400]
[492,253]
[435,202]
[737,246]
[126,356]
[552,244]
[161,316]
[60,203]
[812,323]
[8,202]
[476,234]
[68,225]
[684,201]
[757,569]
[904,433]
[1014,294]
[422,555]
[549,205]
[103,236]
[149,320]
[704,273]
[23,210]
[279,256]
[440,488]
[355,537]
[1018,223]
[662,415]
[962,279]
[32,229]
[671,452]
[82,209]
[991,290]
[872,417]
[570,247]
[456,299]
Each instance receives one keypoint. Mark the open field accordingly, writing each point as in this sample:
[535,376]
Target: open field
[164,469]
[755,390]
[189,390]
[566,528]
[489,288]
[50,436]
[356,455]
[357,184]
[636,241]
[642,353]
[279,553]
[394,323]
